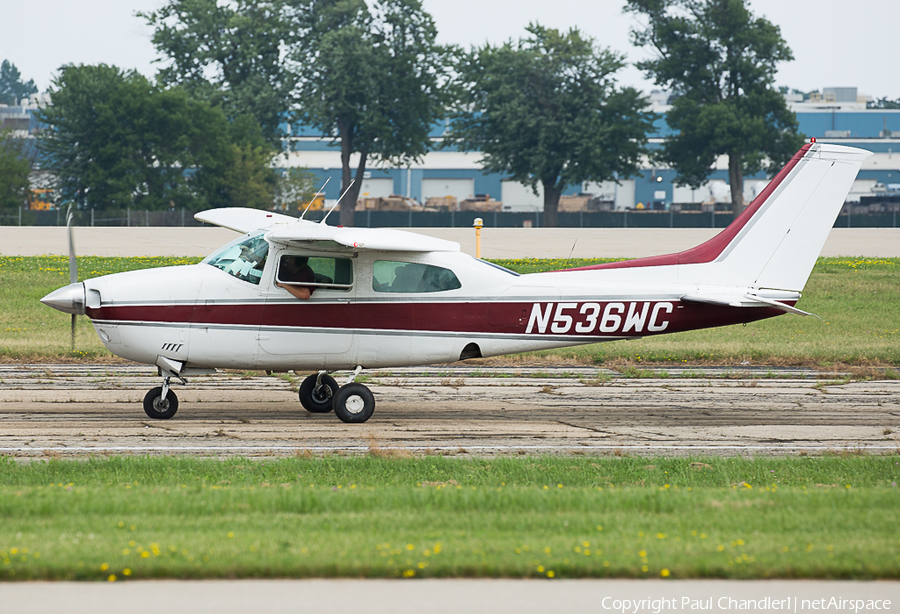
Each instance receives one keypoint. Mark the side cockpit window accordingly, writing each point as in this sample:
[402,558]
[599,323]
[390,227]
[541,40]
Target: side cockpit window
[313,271]
[393,276]
[245,260]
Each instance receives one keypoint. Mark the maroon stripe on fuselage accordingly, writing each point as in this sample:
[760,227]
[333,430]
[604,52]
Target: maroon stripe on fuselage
[572,318]
[709,251]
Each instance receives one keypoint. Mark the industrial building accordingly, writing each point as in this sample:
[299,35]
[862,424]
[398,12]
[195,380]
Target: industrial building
[837,115]
[449,178]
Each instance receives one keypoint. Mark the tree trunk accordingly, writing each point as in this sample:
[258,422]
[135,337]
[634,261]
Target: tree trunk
[551,205]
[736,181]
[348,204]
[346,210]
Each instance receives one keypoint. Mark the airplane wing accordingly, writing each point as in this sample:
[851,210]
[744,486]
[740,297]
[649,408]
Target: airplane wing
[242,219]
[288,230]
[381,239]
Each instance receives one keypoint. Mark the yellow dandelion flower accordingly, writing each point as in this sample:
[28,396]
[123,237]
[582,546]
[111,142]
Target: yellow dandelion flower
[126,572]
[104,567]
[111,578]
[664,573]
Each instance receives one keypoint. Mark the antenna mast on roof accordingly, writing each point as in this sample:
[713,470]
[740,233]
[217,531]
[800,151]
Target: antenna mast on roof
[352,181]
[314,198]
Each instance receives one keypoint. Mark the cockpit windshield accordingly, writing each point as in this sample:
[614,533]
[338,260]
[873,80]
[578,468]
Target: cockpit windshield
[245,259]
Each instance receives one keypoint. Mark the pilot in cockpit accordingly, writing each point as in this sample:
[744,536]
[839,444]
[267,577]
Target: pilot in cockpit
[296,269]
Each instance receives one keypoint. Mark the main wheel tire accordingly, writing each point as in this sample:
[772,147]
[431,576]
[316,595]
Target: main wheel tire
[354,403]
[318,401]
[160,408]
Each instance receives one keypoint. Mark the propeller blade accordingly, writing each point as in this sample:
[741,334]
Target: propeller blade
[73,263]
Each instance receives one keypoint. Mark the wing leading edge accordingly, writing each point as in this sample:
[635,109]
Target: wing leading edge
[287,230]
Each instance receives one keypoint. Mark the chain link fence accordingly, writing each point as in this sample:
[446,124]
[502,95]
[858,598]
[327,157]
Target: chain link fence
[438,219]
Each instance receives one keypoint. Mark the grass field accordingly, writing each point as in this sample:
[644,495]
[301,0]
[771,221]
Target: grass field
[137,518]
[858,299]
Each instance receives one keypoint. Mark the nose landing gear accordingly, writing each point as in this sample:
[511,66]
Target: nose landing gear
[161,403]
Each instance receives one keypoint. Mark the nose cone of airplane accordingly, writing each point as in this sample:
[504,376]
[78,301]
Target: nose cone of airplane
[69,299]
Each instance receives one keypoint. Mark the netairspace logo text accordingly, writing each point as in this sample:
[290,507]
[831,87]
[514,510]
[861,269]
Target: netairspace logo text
[723,604]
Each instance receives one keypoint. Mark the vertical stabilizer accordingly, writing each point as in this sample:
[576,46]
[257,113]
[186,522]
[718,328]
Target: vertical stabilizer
[778,246]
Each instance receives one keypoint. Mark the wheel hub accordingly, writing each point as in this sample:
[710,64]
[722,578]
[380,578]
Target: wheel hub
[160,404]
[321,394]
[355,404]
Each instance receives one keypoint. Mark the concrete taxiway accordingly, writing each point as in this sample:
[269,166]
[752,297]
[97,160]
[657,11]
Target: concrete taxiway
[496,242]
[71,410]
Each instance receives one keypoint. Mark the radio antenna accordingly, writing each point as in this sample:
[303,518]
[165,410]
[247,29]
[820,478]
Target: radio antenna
[352,181]
[314,198]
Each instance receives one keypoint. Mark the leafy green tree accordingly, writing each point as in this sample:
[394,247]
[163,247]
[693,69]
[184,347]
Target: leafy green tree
[547,110]
[228,54]
[294,189]
[720,62]
[115,140]
[12,88]
[884,103]
[15,167]
[371,78]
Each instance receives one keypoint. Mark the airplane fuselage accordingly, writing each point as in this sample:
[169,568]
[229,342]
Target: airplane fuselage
[204,317]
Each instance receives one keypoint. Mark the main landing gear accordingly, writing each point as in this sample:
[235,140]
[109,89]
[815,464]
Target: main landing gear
[352,403]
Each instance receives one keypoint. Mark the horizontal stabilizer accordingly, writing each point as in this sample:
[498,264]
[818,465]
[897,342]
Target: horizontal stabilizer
[745,300]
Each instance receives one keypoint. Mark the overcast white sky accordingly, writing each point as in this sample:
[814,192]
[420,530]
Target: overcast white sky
[836,43]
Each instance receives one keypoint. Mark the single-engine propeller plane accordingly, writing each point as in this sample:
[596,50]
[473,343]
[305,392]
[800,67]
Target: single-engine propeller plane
[376,298]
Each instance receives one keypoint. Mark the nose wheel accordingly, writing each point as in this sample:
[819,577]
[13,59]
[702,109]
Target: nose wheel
[160,405]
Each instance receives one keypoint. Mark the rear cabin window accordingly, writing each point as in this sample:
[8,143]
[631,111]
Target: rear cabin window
[392,276]
[334,273]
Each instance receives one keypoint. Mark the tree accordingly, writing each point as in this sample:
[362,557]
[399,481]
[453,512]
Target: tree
[720,62]
[15,168]
[294,189]
[227,54]
[12,88]
[547,111]
[116,140]
[372,79]
[884,103]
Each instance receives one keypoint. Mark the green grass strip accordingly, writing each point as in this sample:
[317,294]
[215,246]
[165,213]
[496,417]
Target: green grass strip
[129,518]
[857,298]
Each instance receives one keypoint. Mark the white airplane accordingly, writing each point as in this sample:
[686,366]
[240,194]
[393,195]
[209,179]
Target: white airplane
[388,298]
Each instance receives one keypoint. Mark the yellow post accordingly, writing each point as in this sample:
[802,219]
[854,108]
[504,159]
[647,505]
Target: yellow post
[478,224]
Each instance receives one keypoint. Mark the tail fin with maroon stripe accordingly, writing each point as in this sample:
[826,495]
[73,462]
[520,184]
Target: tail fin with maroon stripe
[774,243]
